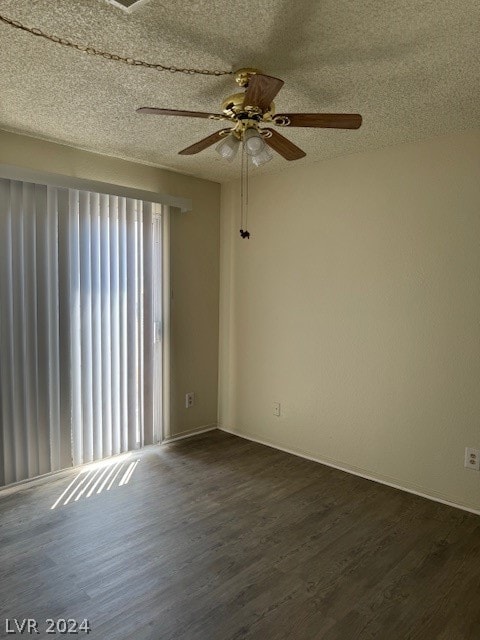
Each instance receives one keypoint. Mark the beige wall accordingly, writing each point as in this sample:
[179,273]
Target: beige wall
[194,262]
[356,305]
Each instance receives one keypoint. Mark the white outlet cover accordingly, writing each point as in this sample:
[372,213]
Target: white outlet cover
[472,458]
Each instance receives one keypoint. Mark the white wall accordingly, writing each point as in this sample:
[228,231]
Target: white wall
[356,304]
[194,262]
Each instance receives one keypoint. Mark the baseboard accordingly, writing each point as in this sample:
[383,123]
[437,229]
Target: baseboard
[64,473]
[354,471]
[68,471]
[190,433]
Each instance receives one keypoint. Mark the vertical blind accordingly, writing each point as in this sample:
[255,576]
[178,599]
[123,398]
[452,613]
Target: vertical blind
[76,327]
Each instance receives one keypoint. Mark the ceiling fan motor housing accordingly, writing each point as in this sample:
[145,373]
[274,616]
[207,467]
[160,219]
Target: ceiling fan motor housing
[234,107]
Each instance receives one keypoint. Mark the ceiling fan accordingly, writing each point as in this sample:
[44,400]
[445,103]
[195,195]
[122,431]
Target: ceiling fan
[248,111]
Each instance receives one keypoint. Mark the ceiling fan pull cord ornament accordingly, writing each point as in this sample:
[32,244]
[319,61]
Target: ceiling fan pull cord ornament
[110,56]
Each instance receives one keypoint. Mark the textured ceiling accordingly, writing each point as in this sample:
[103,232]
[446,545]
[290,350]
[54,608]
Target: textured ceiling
[410,67]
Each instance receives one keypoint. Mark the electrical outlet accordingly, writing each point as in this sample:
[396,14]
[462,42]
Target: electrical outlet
[276,409]
[472,458]
[189,400]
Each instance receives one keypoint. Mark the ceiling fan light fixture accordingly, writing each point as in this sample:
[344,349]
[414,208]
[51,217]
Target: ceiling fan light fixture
[254,143]
[228,147]
[261,158]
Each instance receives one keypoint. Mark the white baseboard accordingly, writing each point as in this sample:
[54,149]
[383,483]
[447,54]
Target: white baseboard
[190,433]
[356,472]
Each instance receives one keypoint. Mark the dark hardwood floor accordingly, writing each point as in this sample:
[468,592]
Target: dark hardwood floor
[218,538]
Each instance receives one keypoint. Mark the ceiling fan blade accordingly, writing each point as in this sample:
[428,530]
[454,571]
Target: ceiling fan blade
[174,112]
[322,120]
[283,146]
[203,144]
[261,91]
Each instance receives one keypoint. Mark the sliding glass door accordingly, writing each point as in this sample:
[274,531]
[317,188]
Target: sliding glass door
[80,327]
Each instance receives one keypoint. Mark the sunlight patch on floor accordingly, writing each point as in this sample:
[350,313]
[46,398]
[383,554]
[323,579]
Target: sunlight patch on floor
[97,477]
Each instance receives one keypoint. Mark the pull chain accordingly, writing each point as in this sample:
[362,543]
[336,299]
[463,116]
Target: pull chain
[244,233]
[241,191]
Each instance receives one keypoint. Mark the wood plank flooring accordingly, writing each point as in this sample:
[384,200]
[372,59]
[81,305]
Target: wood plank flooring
[218,538]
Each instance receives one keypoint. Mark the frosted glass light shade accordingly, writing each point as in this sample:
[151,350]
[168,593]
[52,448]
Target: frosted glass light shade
[254,143]
[228,147]
[262,157]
